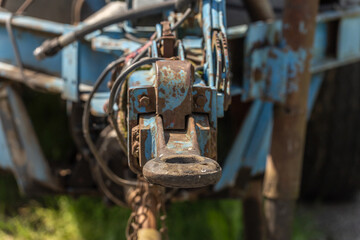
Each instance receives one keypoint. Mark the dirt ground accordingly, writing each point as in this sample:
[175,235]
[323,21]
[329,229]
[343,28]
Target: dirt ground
[337,221]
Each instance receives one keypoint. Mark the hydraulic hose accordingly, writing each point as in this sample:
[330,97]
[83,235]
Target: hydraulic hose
[86,130]
[53,46]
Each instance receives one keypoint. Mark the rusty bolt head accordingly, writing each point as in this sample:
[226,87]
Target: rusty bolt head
[144,101]
[200,100]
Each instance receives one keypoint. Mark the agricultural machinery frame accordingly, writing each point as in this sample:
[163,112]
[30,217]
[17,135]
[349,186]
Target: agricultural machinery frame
[172,104]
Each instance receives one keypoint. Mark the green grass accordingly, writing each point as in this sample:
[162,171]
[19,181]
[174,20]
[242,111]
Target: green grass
[85,218]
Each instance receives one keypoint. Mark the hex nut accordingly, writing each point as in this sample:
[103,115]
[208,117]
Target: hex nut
[200,100]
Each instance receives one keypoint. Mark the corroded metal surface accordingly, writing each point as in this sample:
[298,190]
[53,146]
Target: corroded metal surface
[173,92]
[283,170]
[147,204]
[167,40]
[174,145]
[34,79]
[178,162]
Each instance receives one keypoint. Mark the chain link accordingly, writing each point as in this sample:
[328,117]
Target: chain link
[147,203]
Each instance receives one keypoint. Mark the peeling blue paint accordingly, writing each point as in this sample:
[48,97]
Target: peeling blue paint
[150,142]
[270,66]
[172,89]
[207,107]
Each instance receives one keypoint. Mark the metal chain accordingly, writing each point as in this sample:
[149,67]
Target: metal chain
[141,200]
[163,216]
[135,202]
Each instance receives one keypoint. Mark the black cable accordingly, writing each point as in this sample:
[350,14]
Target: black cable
[113,95]
[106,191]
[120,79]
[141,54]
[85,120]
[117,85]
[136,64]
[53,46]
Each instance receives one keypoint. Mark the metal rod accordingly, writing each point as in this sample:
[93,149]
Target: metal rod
[2,3]
[23,7]
[260,9]
[283,169]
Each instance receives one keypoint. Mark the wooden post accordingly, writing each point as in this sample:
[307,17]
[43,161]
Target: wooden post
[283,170]
[253,214]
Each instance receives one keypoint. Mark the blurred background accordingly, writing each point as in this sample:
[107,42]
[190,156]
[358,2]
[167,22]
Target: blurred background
[95,218]
[88,218]
[329,208]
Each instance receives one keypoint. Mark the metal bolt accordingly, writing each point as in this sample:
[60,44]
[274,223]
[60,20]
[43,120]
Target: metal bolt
[144,101]
[200,100]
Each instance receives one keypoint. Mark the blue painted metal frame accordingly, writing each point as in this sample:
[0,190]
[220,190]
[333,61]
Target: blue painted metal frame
[20,150]
[6,159]
[242,153]
[171,90]
[252,144]
[268,65]
[81,62]
[70,71]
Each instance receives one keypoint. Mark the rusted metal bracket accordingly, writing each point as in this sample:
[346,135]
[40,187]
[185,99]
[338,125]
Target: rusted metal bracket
[178,162]
[175,146]
[172,116]
[173,89]
[167,40]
